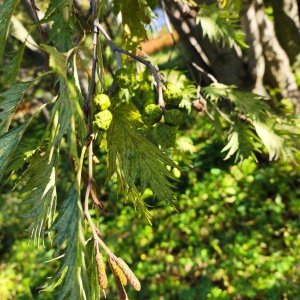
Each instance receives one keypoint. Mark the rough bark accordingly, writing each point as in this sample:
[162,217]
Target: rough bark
[224,63]
[278,72]
[286,12]
[266,61]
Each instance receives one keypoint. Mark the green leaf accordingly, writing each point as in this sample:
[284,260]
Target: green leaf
[9,102]
[64,114]
[39,180]
[136,160]
[134,30]
[10,70]
[20,156]
[92,270]
[71,275]
[242,142]
[250,104]
[8,144]
[247,104]
[273,142]
[220,25]
[6,11]
[217,91]
[57,60]
[64,24]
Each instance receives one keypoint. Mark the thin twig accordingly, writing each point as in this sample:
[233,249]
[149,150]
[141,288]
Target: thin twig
[117,50]
[43,33]
[87,215]
[87,105]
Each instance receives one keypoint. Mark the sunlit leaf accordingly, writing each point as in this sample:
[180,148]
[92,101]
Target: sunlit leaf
[70,279]
[39,180]
[273,142]
[136,160]
[242,141]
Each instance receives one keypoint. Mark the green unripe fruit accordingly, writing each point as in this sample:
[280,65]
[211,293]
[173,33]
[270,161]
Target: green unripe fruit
[172,94]
[173,117]
[124,78]
[102,101]
[166,135]
[152,114]
[103,119]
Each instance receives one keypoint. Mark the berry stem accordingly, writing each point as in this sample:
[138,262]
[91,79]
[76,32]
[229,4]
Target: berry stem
[117,50]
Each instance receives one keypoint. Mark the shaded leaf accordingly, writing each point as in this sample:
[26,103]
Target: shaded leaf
[11,69]
[8,144]
[9,102]
[63,26]
[6,11]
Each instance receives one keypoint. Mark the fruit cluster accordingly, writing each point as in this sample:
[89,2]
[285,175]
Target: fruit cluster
[104,117]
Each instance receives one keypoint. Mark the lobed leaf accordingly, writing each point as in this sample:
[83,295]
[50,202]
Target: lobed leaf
[220,25]
[40,180]
[242,141]
[134,31]
[64,24]
[273,142]
[136,160]
[71,275]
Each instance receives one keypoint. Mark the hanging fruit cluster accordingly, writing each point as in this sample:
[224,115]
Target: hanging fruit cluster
[165,131]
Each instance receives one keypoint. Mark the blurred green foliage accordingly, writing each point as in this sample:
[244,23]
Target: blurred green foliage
[235,234]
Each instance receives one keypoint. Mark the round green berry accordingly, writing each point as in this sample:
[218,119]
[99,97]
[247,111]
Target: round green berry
[103,119]
[102,101]
[124,78]
[166,135]
[172,94]
[173,117]
[152,114]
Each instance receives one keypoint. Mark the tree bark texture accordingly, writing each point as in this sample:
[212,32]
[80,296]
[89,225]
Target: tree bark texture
[264,63]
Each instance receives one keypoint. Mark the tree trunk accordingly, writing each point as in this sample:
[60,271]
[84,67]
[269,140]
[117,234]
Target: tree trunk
[224,63]
[265,64]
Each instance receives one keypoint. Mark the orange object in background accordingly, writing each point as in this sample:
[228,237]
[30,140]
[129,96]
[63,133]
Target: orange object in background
[154,45]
